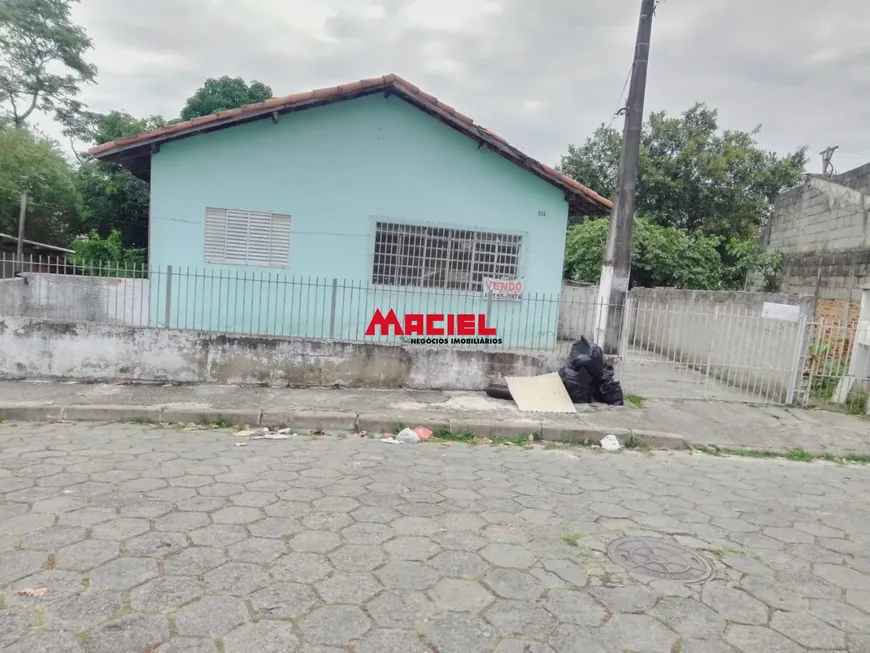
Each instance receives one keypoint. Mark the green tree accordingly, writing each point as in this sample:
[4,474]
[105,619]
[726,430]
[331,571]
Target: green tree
[30,162]
[660,256]
[692,175]
[112,197]
[42,61]
[223,94]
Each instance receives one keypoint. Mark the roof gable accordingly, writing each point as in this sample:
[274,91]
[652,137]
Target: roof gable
[135,152]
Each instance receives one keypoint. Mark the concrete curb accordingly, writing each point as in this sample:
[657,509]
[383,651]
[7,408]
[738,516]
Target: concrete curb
[332,420]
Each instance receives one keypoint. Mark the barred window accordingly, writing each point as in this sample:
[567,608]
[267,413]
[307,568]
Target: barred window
[436,257]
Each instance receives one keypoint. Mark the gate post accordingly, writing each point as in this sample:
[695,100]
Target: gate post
[622,352]
[332,309]
[168,294]
[797,374]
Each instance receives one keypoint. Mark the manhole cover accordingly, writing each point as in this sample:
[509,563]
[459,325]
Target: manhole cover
[659,559]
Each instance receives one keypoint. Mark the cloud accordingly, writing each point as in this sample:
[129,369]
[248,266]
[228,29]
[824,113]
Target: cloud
[542,74]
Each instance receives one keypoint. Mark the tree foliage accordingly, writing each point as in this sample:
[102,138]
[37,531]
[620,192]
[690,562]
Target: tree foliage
[32,163]
[42,61]
[108,256]
[671,257]
[112,198]
[223,94]
[691,175]
[660,256]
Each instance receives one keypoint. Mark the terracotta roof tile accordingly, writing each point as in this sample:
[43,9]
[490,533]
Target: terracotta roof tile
[337,92]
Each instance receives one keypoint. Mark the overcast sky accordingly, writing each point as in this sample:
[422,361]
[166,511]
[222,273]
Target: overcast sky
[542,73]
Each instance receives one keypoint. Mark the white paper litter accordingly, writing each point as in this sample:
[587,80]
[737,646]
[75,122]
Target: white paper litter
[275,436]
[610,443]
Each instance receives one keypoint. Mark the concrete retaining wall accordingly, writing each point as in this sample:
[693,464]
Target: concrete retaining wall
[74,298]
[721,333]
[86,351]
[577,311]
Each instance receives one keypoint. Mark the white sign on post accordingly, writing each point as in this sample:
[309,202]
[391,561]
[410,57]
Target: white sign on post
[782,312]
[504,290]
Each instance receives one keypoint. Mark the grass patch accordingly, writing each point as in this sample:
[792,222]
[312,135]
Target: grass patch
[453,436]
[857,403]
[2,601]
[637,445]
[721,553]
[141,421]
[447,435]
[797,455]
[2,418]
[574,539]
[217,423]
[678,645]
[170,617]
[41,619]
[635,401]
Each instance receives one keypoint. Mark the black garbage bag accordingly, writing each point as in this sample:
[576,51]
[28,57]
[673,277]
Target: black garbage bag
[499,391]
[587,356]
[609,390]
[578,383]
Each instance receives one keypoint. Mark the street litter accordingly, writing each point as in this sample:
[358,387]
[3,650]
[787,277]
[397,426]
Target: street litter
[275,436]
[361,434]
[34,593]
[246,433]
[408,436]
[318,432]
[586,376]
[391,440]
[241,444]
[610,443]
[423,433]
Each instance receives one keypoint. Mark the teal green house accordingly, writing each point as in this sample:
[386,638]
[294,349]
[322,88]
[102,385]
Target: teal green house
[303,215]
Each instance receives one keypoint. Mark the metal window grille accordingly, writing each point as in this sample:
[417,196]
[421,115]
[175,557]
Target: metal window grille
[436,257]
[247,238]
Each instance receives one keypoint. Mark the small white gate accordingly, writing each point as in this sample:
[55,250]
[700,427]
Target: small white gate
[681,351]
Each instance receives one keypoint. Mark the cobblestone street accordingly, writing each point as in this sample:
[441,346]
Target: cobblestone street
[151,540]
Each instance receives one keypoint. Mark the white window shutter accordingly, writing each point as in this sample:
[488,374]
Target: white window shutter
[279,243]
[247,238]
[215,235]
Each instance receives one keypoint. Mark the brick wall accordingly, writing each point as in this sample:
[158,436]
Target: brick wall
[839,275]
[857,179]
[819,215]
[823,229]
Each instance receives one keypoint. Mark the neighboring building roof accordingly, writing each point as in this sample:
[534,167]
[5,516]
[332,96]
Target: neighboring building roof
[135,152]
[31,244]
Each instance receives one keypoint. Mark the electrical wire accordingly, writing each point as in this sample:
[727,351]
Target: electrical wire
[621,96]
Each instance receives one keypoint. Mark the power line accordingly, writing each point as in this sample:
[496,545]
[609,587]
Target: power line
[618,108]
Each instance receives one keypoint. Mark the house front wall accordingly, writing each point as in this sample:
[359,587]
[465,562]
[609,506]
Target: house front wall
[336,171]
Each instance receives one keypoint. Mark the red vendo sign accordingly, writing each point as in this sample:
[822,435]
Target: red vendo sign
[433,325]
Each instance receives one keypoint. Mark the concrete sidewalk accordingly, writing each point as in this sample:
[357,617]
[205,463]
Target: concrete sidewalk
[661,424]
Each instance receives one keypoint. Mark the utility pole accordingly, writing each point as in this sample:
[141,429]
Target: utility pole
[613,285]
[21,215]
